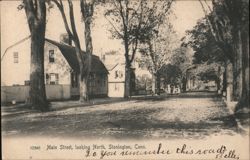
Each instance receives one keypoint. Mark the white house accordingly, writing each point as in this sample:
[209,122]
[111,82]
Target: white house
[116,79]
[115,63]
[60,66]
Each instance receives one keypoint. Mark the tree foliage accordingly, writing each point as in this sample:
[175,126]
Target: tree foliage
[225,19]
[182,57]
[157,50]
[172,74]
[202,42]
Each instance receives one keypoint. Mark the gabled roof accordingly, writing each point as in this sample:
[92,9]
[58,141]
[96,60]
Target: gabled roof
[70,55]
[110,67]
[13,45]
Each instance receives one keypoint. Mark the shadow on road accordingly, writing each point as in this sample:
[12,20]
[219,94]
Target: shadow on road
[132,123]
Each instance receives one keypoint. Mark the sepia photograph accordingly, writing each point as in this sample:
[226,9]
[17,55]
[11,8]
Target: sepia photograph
[125,79]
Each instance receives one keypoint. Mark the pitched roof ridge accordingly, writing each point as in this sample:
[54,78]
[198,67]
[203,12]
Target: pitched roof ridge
[11,46]
[116,64]
[66,45]
[56,42]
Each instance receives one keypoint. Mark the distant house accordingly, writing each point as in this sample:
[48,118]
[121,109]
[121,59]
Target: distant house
[194,82]
[115,64]
[60,67]
[116,80]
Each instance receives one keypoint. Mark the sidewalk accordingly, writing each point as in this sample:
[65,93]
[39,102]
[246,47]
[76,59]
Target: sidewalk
[242,117]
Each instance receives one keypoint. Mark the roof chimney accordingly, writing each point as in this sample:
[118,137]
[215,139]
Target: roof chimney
[66,39]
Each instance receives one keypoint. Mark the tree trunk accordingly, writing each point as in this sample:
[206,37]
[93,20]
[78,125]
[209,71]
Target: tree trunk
[229,78]
[224,82]
[237,71]
[83,88]
[127,82]
[153,84]
[184,84]
[158,84]
[37,87]
[37,25]
[244,98]
[89,47]
[127,67]
[87,13]
[83,85]
[220,80]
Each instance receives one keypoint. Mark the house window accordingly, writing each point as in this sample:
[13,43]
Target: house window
[51,56]
[52,78]
[15,55]
[118,74]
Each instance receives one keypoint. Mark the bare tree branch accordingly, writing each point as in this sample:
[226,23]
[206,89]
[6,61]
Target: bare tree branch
[137,33]
[30,13]
[123,19]
[116,30]
[208,6]
[61,9]
[135,12]
[72,21]
[41,10]
[209,21]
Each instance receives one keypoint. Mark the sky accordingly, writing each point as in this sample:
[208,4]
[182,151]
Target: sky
[14,24]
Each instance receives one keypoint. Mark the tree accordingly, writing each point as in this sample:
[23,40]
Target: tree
[156,50]
[171,74]
[82,58]
[128,19]
[202,42]
[182,58]
[229,24]
[36,16]
[87,10]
